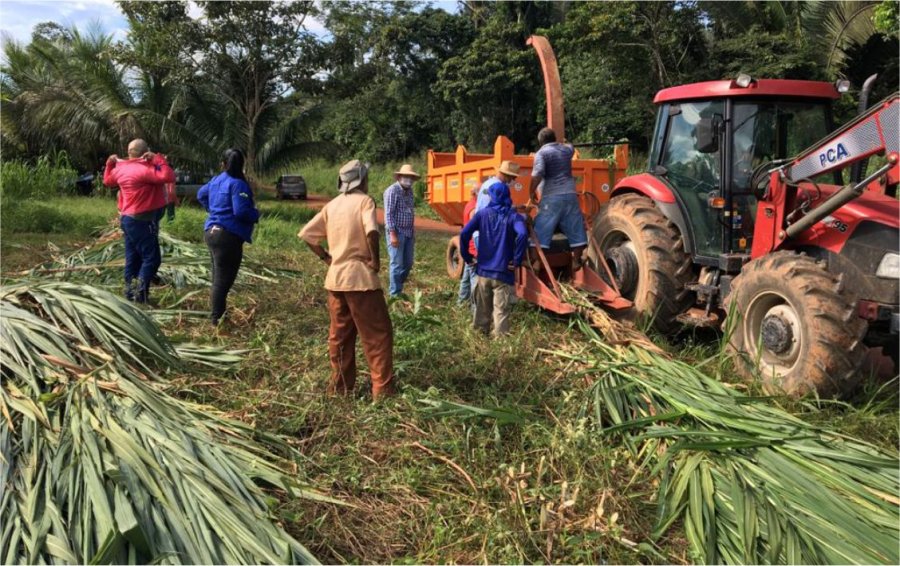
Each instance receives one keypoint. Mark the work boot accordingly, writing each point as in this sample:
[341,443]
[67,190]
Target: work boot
[142,296]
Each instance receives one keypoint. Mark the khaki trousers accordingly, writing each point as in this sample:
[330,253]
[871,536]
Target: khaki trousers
[364,313]
[492,301]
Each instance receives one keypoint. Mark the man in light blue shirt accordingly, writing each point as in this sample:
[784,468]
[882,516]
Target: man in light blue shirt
[506,173]
[559,206]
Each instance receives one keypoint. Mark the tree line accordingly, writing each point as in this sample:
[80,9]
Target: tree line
[386,80]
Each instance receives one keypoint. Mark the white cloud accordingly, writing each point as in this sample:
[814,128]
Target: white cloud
[18,17]
[194,11]
[315,26]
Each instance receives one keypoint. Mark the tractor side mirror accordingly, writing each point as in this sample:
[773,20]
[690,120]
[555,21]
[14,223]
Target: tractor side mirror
[707,133]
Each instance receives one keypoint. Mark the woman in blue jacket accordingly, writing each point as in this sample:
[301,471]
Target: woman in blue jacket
[229,201]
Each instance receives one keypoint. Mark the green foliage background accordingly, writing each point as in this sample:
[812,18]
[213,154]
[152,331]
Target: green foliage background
[388,80]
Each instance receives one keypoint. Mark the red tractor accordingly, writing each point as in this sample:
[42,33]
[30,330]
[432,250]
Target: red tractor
[745,220]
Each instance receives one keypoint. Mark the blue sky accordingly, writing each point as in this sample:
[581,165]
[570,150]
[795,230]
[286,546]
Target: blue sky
[18,17]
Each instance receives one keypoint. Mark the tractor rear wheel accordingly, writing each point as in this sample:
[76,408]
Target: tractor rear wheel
[645,253]
[454,259]
[796,326]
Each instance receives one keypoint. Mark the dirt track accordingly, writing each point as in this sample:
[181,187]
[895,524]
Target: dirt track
[425,224]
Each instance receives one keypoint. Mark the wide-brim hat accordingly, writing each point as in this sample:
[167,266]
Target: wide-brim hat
[406,170]
[510,168]
[352,175]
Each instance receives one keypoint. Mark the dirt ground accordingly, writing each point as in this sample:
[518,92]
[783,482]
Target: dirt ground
[426,224]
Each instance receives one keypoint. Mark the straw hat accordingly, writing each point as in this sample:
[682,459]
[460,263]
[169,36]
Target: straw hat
[406,171]
[352,175]
[510,168]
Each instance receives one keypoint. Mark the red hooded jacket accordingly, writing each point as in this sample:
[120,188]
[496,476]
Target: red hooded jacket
[468,212]
[141,183]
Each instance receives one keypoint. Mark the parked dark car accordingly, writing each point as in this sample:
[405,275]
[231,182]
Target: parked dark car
[84,185]
[187,183]
[290,186]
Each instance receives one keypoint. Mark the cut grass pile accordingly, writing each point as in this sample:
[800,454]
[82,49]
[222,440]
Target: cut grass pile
[750,482]
[101,465]
[187,264]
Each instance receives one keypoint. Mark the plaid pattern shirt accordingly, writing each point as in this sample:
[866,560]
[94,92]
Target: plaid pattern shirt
[399,210]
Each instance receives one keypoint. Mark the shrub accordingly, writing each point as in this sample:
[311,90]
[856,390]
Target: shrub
[26,188]
[47,176]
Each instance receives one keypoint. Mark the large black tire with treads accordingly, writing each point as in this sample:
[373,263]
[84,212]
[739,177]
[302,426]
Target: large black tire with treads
[797,327]
[454,259]
[646,254]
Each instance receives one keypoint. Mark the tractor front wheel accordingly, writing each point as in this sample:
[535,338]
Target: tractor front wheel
[454,259]
[645,254]
[795,326]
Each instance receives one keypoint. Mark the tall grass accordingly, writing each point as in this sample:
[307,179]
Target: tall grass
[29,198]
[48,175]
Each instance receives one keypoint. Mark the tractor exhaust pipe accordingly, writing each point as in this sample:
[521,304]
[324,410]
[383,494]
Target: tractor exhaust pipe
[834,202]
[856,170]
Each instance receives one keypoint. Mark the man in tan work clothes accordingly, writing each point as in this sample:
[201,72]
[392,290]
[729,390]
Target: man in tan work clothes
[355,300]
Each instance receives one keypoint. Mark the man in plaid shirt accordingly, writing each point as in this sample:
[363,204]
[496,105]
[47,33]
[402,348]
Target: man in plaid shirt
[399,219]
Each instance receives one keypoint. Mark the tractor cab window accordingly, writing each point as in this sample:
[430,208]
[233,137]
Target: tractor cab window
[765,131]
[694,174]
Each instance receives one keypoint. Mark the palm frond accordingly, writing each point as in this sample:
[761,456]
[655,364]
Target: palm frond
[186,264]
[100,465]
[749,482]
[837,26]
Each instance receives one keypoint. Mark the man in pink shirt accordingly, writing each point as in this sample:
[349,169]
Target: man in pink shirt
[141,181]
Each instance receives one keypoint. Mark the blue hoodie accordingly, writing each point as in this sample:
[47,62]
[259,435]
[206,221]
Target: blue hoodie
[229,202]
[502,237]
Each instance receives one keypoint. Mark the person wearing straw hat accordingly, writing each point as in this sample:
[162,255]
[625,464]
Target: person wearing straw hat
[506,173]
[356,302]
[399,225]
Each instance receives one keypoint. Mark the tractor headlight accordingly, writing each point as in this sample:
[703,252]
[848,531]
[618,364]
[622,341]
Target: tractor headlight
[889,268]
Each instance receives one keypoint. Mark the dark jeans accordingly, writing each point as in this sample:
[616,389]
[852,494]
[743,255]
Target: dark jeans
[227,251]
[142,256]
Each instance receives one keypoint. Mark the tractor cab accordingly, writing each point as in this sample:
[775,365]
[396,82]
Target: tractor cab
[744,213]
[709,139]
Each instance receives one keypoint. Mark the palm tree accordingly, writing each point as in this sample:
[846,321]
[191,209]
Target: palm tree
[69,93]
[837,26]
[72,93]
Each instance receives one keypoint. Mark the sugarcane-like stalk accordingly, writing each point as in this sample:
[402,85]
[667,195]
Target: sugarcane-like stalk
[749,482]
[98,464]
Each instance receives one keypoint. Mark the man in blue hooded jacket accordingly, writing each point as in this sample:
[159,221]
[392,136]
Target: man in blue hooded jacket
[502,241]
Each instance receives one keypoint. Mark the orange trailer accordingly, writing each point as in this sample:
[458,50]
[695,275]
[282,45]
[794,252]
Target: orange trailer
[451,177]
